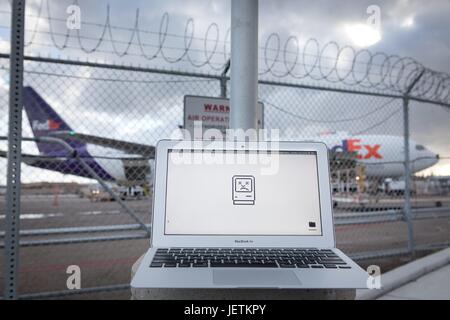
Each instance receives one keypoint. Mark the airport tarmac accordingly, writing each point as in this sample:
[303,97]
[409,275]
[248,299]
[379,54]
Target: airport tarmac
[43,268]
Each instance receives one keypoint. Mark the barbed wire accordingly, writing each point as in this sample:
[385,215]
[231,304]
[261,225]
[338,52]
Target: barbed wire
[329,62]
[379,123]
[343,120]
[309,119]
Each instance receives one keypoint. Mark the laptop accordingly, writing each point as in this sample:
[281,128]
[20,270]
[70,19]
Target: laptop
[244,215]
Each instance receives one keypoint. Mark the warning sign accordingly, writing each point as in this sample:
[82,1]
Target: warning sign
[214,113]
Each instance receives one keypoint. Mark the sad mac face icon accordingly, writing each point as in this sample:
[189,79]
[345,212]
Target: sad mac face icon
[243,190]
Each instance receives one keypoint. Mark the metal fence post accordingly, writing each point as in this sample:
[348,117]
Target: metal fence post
[407,206]
[14,150]
[244,64]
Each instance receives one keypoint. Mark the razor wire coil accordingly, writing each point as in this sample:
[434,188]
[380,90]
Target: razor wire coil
[329,62]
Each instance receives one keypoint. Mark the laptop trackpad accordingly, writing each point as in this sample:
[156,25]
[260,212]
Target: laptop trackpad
[250,278]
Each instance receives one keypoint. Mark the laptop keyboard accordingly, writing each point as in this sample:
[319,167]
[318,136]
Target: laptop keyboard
[247,258]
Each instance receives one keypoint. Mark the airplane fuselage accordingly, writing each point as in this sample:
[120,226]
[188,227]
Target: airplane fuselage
[382,155]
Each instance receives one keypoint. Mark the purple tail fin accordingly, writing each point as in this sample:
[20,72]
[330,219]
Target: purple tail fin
[43,120]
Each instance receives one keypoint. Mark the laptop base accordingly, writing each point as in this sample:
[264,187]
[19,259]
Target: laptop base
[239,278]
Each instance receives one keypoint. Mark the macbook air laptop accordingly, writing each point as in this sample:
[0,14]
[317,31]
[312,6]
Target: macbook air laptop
[244,215]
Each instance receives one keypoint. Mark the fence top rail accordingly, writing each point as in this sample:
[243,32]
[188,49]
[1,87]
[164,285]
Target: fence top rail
[117,67]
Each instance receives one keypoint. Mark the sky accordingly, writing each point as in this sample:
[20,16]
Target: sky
[417,29]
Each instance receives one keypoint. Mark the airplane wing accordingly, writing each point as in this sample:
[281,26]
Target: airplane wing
[128,147]
[33,160]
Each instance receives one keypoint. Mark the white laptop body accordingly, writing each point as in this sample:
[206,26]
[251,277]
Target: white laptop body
[244,215]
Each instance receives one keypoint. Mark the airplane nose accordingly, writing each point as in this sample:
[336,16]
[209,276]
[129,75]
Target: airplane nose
[434,158]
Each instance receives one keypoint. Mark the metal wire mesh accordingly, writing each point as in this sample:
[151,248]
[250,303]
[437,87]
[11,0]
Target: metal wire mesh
[68,218]
[338,119]
[142,106]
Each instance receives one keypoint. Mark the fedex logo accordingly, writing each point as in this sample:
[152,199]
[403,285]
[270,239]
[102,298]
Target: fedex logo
[46,125]
[363,151]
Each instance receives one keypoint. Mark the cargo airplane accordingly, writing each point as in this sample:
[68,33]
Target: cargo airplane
[381,155]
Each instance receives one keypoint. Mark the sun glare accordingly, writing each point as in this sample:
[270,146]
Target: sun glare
[408,22]
[362,35]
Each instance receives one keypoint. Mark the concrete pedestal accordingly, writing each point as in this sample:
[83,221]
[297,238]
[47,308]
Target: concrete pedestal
[238,294]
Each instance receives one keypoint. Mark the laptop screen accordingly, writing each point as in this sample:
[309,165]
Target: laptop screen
[228,192]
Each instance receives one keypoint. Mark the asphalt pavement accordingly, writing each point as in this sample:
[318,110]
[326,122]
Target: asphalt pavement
[43,268]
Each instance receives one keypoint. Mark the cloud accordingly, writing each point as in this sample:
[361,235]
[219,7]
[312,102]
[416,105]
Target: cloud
[4,45]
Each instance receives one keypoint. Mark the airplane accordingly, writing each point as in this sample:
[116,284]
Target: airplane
[130,166]
[381,155]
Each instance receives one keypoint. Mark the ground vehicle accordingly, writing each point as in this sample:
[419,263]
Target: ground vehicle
[136,192]
[395,187]
[97,193]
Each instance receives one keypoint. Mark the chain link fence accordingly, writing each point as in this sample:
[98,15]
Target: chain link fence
[91,208]
[69,220]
